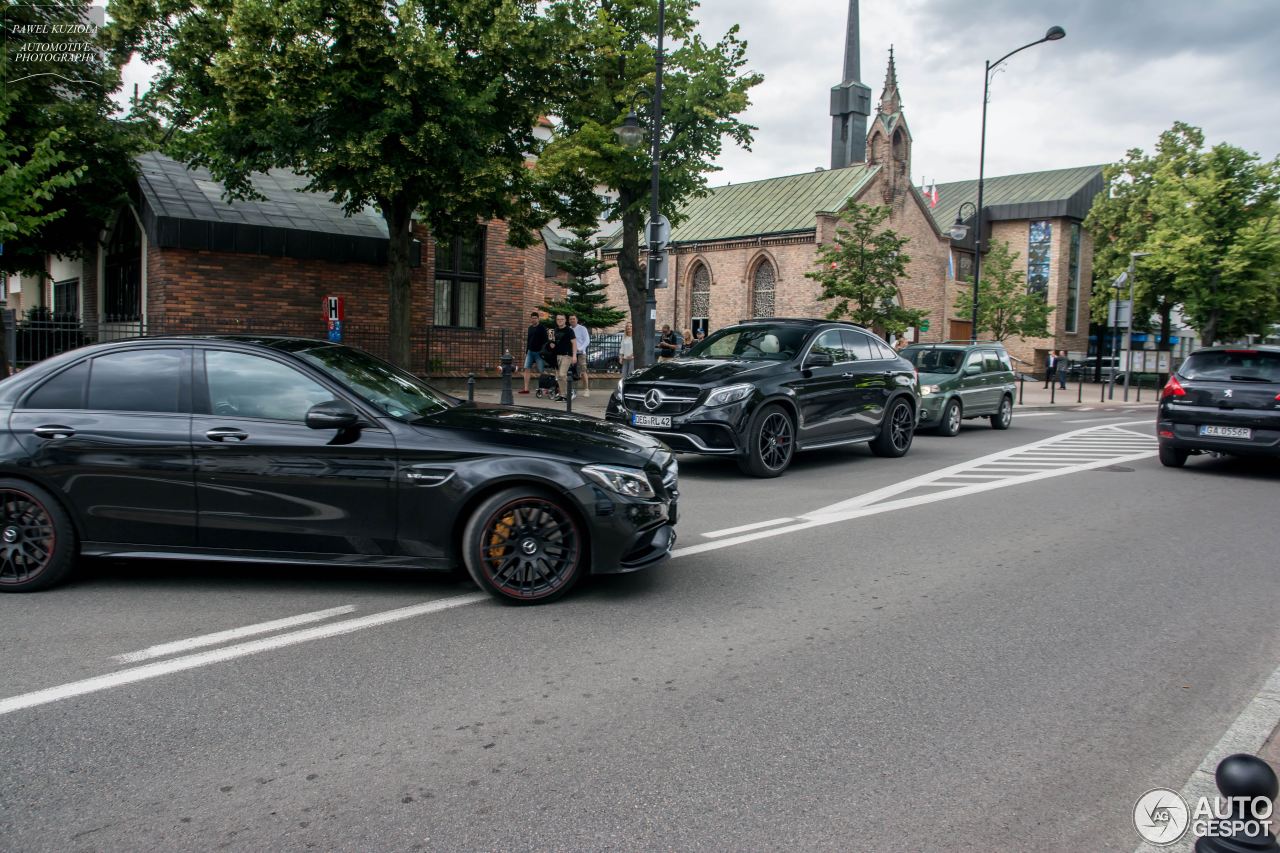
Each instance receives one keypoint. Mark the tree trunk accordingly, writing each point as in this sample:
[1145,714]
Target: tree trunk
[397,212]
[634,279]
[1209,331]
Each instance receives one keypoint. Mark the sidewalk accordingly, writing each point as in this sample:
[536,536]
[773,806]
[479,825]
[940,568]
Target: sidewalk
[1035,397]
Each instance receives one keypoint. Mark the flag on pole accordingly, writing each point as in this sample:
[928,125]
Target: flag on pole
[933,194]
[951,265]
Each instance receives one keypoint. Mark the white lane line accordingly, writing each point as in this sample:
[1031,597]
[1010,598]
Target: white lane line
[729,531]
[253,647]
[1096,420]
[1247,734]
[220,637]
[1018,414]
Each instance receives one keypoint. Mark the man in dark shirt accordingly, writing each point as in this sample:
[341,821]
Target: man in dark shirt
[565,344]
[535,340]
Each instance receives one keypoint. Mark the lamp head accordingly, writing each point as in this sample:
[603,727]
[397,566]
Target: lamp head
[630,133]
[1055,33]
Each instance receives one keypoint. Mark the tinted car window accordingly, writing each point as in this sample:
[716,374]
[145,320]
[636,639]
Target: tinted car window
[767,343]
[975,358]
[1232,366]
[391,389]
[858,345]
[991,362]
[64,391]
[830,343]
[136,381]
[247,386]
[883,350]
[934,359]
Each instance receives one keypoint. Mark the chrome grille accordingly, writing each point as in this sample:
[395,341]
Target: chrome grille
[674,399]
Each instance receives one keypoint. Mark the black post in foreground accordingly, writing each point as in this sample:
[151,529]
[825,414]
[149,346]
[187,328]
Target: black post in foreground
[508,367]
[1022,383]
[1251,787]
[1053,390]
[471,387]
[1080,388]
[568,392]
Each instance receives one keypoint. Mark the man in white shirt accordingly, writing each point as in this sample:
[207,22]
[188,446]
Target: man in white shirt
[584,340]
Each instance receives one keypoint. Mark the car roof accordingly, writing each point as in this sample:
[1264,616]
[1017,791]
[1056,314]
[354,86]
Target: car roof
[811,322]
[1272,348]
[957,345]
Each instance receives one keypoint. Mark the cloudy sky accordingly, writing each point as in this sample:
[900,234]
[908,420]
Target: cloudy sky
[1126,71]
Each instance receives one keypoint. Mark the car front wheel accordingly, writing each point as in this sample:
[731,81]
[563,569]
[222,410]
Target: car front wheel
[1004,416]
[896,431]
[771,442]
[524,546]
[37,540]
[950,424]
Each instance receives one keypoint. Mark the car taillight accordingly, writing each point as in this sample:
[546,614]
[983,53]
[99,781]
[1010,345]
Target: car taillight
[1173,388]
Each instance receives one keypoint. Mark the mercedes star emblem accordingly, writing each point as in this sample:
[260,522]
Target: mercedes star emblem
[653,399]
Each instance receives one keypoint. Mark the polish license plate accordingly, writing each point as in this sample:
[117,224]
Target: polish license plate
[651,420]
[1226,432]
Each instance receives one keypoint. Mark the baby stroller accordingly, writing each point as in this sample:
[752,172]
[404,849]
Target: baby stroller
[547,385]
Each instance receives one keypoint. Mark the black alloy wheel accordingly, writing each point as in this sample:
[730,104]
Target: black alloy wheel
[896,431]
[36,538]
[950,424]
[523,546]
[1002,418]
[1172,457]
[771,442]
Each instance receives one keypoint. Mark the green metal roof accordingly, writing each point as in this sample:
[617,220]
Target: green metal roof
[771,206]
[1034,195]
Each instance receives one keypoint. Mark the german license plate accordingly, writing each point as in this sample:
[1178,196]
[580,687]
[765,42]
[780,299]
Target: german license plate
[651,420]
[1226,432]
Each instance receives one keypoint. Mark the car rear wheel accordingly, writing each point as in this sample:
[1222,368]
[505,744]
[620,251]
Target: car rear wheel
[896,431]
[524,546]
[1004,416]
[771,442]
[950,423]
[37,540]
[1172,457]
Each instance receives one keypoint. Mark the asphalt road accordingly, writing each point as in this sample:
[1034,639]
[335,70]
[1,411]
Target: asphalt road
[1006,666]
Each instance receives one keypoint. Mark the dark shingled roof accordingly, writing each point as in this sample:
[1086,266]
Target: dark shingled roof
[1035,195]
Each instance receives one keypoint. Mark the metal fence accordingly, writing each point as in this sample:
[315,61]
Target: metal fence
[435,352]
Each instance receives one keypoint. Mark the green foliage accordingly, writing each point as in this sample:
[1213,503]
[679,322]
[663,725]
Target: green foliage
[1209,220]
[59,123]
[860,269]
[1005,308]
[422,108]
[610,60]
[585,293]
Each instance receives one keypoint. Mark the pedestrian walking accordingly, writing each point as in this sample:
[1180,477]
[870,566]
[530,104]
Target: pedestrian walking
[1061,369]
[565,345]
[534,340]
[627,352]
[583,339]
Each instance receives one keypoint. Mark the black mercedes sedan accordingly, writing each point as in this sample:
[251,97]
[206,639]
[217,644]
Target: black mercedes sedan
[299,451]
[1224,400]
[759,391]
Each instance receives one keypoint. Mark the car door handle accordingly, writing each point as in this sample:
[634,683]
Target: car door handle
[53,431]
[226,434]
[846,375]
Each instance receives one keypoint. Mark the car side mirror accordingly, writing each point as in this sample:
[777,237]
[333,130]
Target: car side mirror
[819,359]
[332,414]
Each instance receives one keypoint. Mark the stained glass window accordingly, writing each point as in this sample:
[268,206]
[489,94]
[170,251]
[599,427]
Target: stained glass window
[1039,242]
[762,286]
[700,308]
[1073,279]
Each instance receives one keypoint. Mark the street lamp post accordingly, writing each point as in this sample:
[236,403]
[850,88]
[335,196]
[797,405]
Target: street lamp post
[1053,34]
[1128,334]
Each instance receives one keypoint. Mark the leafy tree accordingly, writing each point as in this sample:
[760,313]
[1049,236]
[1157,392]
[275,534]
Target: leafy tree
[1005,308]
[29,180]
[55,108]
[860,269]
[1208,218]
[585,295]
[422,108]
[704,88]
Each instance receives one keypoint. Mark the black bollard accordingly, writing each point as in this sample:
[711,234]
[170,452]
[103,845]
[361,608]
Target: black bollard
[471,387]
[1139,389]
[1022,383]
[568,394]
[1053,391]
[508,367]
[1244,779]
[1080,389]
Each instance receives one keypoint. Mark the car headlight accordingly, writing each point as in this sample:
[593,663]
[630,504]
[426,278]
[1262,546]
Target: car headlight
[926,390]
[618,390]
[630,482]
[729,394]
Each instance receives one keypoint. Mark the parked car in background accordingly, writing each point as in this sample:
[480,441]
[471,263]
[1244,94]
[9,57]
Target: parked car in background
[1224,400]
[298,451]
[1088,368]
[961,381]
[604,354]
[759,391]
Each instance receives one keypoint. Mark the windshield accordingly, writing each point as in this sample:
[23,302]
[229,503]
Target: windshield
[934,360]
[1232,366]
[752,343]
[394,391]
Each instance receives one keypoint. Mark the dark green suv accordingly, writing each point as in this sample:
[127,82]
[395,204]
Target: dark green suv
[963,380]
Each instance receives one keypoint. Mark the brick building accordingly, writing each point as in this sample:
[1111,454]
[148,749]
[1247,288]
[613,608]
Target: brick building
[179,259]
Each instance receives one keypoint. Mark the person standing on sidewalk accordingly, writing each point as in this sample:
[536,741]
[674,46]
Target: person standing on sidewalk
[565,345]
[583,339]
[627,352]
[1050,367]
[1061,369]
[534,340]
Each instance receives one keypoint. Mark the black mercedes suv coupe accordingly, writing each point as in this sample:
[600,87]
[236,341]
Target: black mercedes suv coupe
[761,390]
[297,451]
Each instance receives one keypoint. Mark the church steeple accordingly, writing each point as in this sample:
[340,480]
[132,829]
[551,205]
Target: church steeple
[850,102]
[890,98]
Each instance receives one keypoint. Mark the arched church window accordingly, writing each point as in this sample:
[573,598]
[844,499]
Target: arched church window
[700,302]
[762,288]
[899,145]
